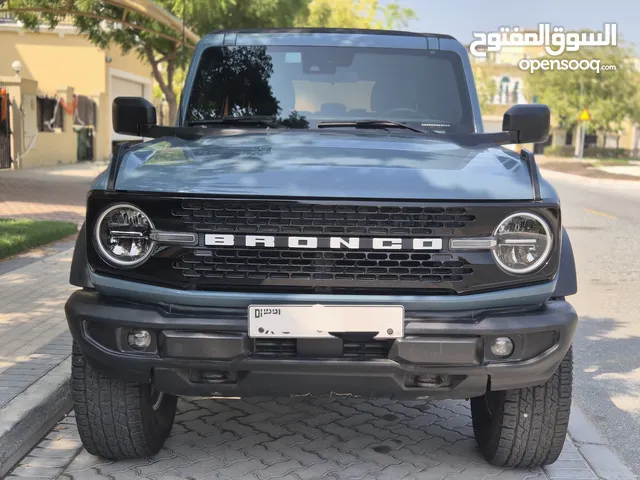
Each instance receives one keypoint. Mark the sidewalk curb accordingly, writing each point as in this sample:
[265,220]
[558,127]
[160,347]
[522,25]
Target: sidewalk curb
[581,179]
[29,416]
[602,460]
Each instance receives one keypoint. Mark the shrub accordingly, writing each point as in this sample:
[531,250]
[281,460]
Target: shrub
[592,151]
[559,151]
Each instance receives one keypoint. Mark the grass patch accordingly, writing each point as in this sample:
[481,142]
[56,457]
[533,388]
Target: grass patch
[612,162]
[19,235]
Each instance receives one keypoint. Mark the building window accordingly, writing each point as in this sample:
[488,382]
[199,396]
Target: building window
[611,141]
[50,115]
[590,141]
[568,140]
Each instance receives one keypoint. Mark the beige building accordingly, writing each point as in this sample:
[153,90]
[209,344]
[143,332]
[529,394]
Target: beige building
[59,84]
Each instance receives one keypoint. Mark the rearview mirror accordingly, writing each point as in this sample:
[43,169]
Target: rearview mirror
[133,116]
[530,122]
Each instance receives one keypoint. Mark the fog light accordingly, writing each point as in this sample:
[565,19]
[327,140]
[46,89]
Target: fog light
[432,381]
[502,347]
[139,339]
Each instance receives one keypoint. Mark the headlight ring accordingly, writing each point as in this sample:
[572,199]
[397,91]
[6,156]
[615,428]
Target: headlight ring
[524,243]
[122,236]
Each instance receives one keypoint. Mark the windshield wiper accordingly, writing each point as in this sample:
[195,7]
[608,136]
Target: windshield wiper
[243,119]
[371,124]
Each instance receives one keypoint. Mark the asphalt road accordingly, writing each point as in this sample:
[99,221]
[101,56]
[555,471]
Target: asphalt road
[603,221]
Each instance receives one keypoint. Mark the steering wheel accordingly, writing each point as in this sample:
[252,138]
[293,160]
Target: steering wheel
[405,111]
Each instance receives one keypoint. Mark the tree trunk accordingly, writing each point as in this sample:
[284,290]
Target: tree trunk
[166,85]
[172,100]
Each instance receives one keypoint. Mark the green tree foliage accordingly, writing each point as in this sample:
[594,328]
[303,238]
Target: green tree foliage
[205,16]
[355,14]
[611,96]
[485,85]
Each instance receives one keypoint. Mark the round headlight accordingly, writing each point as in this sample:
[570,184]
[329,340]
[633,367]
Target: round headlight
[123,236]
[523,243]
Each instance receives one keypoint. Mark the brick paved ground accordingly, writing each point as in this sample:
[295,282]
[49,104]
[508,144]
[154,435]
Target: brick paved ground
[30,368]
[32,297]
[34,339]
[32,322]
[47,194]
[299,438]
[31,307]
[33,288]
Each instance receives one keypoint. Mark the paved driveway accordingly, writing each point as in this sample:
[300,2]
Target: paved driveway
[300,438]
[47,194]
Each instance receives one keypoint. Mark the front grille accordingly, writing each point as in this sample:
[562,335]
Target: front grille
[328,265]
[323,270]
[277,347]
[284,347]
[372,349]
[318,219]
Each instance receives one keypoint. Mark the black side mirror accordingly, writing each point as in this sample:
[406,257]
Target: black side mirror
[530,122]
[133,116]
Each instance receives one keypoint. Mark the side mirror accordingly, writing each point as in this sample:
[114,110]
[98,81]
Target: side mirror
[530,122]
[133,116]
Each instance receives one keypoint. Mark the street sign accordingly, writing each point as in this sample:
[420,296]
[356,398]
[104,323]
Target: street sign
[585,116]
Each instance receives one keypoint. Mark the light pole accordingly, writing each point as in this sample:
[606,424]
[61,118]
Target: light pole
[582,127]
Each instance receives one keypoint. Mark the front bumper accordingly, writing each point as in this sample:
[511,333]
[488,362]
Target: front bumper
[198,351]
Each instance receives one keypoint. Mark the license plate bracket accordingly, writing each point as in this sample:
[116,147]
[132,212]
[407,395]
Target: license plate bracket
[317,321]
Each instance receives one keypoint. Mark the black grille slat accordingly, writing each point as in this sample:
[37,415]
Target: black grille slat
[372,349]
[285,218]
[322,267]
[285,347]
[281,263]
[276,347]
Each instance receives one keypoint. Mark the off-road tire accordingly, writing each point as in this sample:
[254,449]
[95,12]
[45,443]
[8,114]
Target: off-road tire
[525,427]
[116,419]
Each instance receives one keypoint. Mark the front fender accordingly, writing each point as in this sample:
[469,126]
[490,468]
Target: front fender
[79,275]
[567,283]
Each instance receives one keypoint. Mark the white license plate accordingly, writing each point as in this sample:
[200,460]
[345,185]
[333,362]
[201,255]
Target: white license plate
[319,321]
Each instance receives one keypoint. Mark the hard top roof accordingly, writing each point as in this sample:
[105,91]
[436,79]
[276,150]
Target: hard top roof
[345,31]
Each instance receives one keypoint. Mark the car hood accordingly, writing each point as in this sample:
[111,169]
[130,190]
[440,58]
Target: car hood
[373,165]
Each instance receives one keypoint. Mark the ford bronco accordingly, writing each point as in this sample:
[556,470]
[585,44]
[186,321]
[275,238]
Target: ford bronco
[326,216]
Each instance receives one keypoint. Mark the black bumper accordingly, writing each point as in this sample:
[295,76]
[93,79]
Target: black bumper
[207,352]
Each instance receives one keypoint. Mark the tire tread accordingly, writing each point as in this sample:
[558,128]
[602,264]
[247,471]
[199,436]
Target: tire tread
[109,413]
[530,424]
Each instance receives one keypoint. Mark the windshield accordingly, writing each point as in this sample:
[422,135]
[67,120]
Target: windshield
[301,86]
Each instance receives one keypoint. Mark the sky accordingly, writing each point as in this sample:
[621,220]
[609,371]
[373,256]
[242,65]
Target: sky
[460,18]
